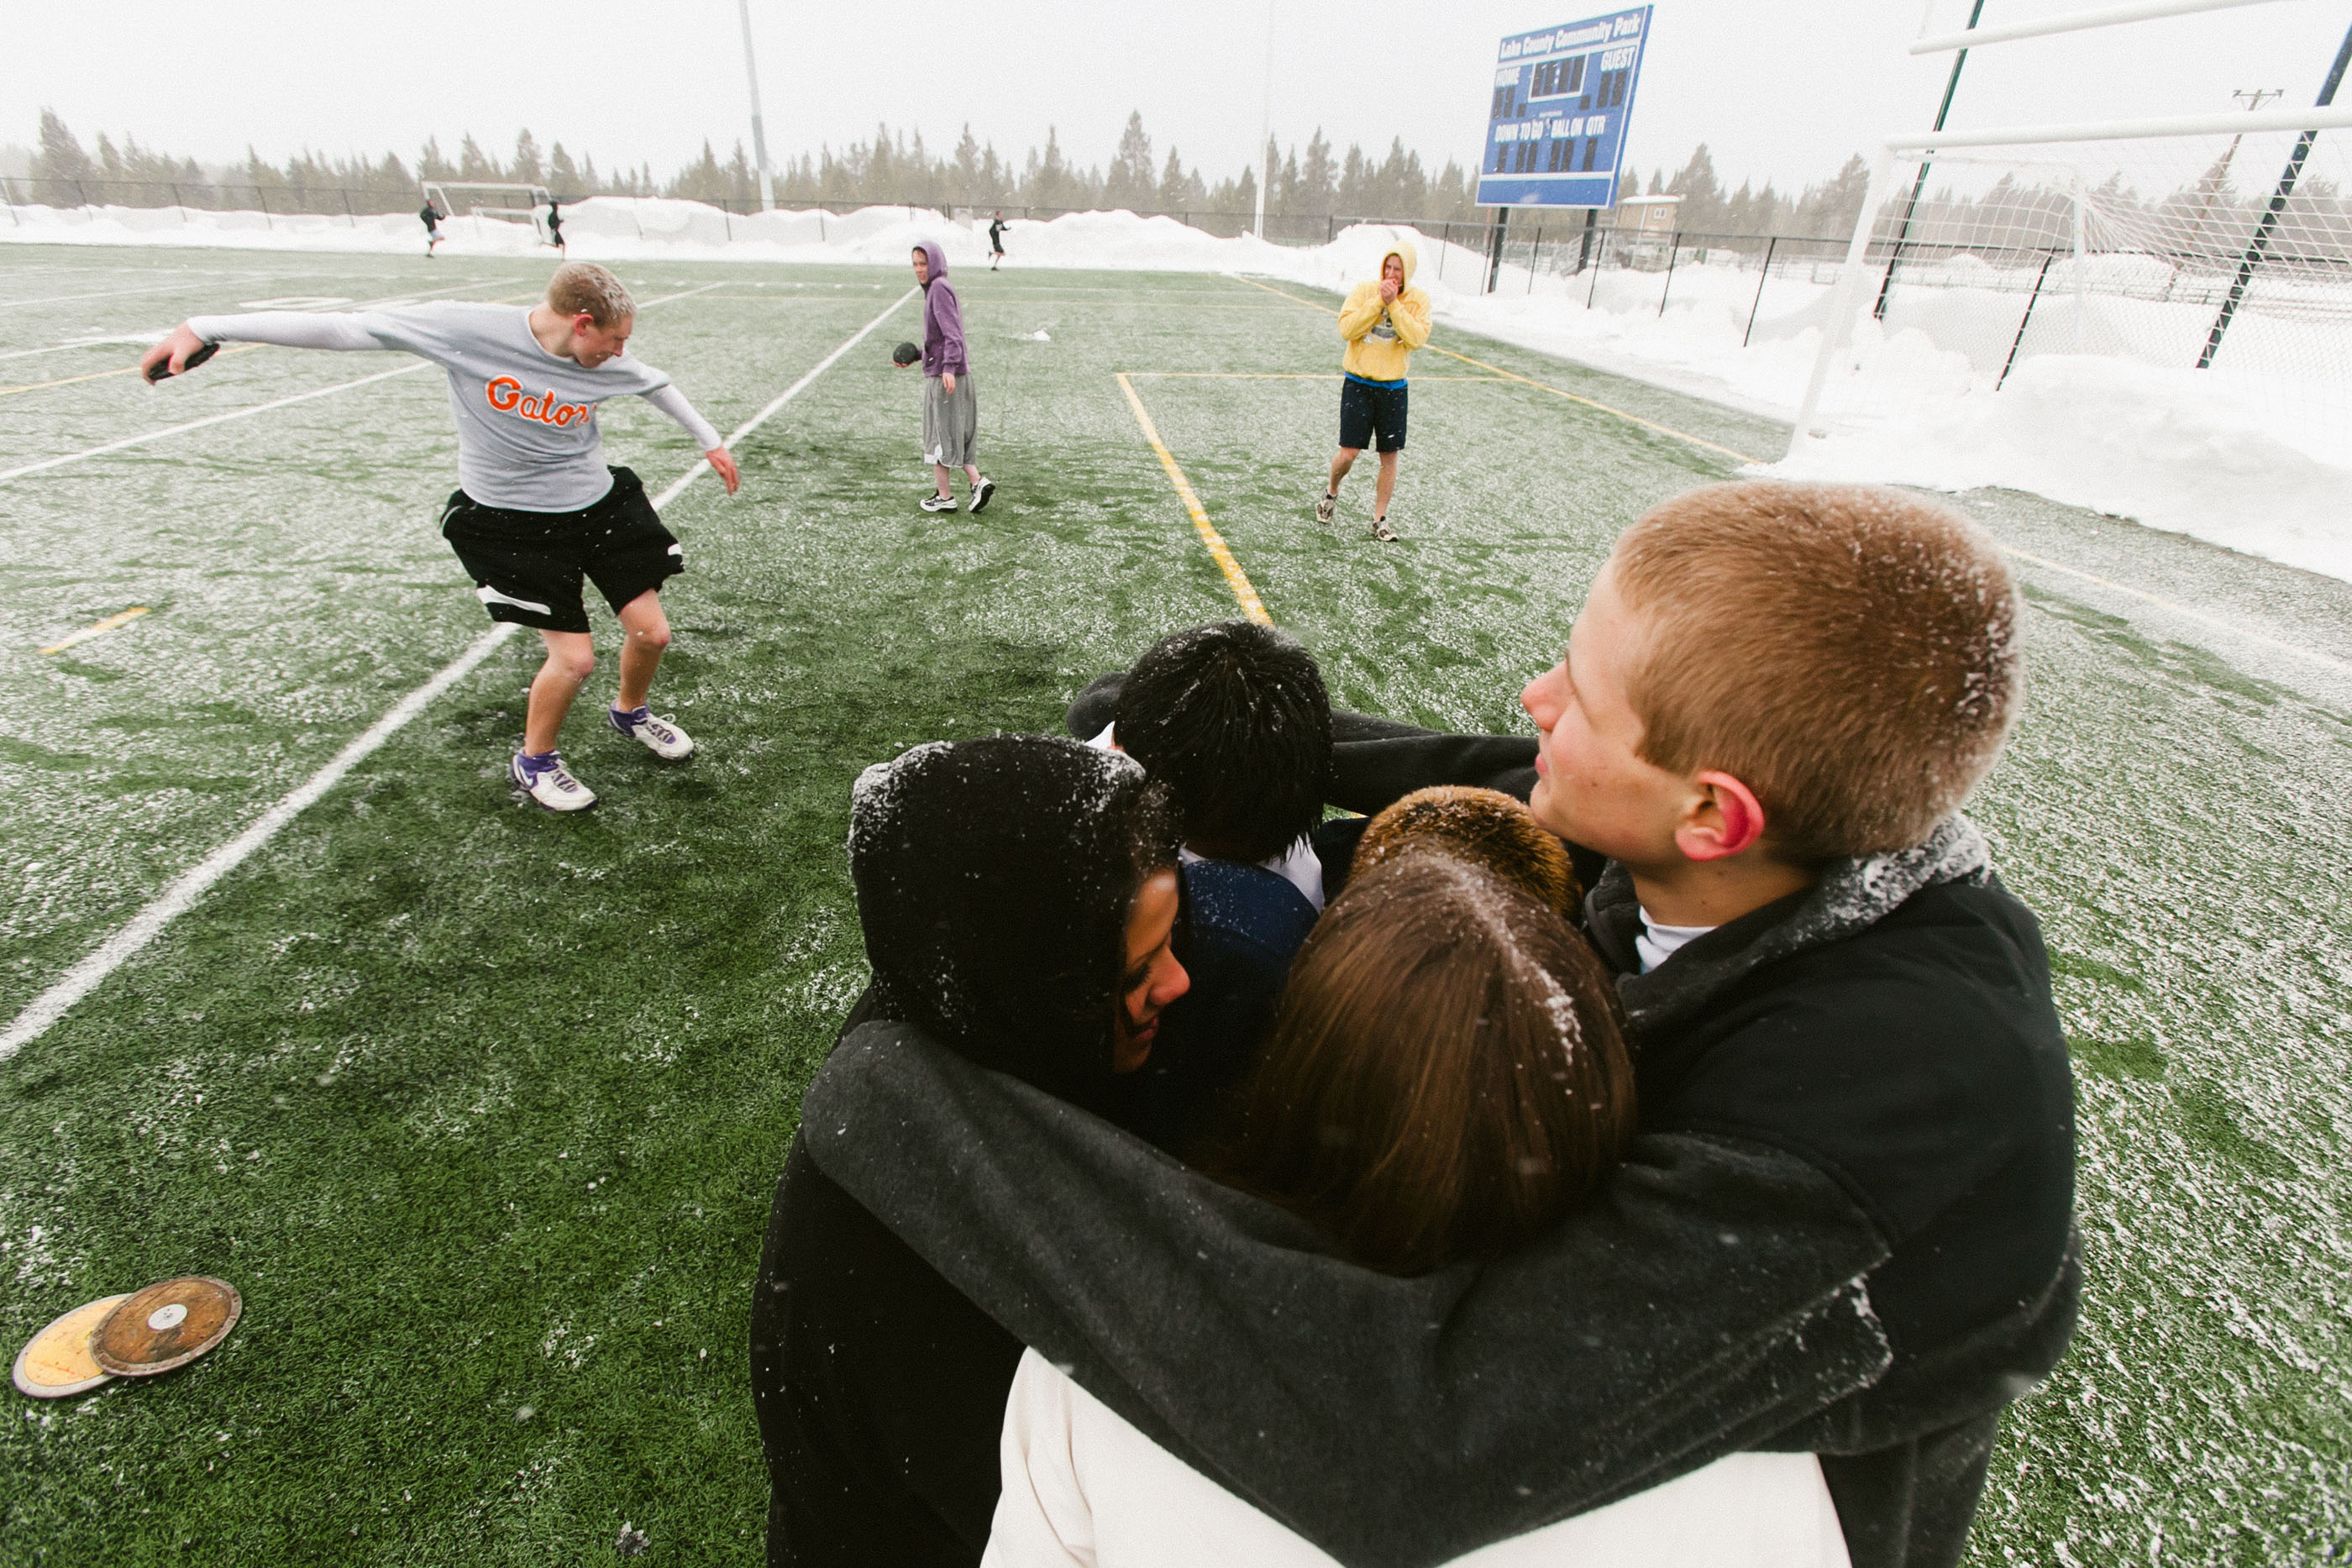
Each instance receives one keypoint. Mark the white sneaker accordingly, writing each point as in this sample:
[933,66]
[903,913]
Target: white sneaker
[551,784]
[982,493]
[936,502]
[660,737]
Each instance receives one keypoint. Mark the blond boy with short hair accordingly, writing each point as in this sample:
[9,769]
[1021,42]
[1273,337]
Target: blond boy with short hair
[536,509]
[1847,1226]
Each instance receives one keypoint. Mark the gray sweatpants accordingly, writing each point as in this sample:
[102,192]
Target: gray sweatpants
[951,422]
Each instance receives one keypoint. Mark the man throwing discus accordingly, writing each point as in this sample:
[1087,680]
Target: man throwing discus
[1383,323]
[536,509]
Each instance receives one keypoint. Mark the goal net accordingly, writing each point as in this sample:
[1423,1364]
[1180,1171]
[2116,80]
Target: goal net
[2171,253]
[520,204]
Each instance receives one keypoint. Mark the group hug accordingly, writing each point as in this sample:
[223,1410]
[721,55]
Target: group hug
[1648,1143]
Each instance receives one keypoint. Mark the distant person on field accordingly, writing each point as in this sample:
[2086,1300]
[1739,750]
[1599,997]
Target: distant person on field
[1383,323]
[431,218]
[996,240]
[537,509]
[554,225]
[950,408]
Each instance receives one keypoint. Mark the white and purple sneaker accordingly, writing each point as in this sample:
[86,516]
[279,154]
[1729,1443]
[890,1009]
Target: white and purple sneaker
[545,779]
[659,736]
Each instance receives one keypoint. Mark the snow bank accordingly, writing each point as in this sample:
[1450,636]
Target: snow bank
[2223,456]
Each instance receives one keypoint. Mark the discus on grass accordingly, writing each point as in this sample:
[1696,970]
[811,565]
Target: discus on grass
[166,1325]
[904,354]
[56,1362]
[162,369]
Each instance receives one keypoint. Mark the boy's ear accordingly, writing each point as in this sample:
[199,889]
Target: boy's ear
[1726,820]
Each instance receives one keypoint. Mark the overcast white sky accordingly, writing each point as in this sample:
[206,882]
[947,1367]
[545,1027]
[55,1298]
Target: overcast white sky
[1783,89]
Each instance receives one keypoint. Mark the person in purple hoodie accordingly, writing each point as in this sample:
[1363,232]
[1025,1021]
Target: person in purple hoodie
[951,412]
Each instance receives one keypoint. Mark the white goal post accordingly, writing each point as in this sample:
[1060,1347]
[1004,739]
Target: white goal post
[2173,243]
[503,203]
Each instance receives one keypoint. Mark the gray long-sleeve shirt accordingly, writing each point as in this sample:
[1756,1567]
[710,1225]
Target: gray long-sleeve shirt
[526,434]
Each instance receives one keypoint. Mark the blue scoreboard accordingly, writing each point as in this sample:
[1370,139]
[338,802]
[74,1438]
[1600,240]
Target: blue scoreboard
[1556,121]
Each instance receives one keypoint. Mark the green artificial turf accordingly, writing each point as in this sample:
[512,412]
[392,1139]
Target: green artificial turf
[480,1107]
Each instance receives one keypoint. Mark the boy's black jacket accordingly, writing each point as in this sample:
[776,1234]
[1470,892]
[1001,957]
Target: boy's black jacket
[1847,1229]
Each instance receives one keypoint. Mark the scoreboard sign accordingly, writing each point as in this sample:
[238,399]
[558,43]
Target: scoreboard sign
[1556,120]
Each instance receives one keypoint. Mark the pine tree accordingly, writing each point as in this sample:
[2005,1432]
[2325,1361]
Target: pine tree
[473,164]
[1318,190]
[1702,193]
[59,162]
[527,170]
[965,177]
[562,175]
[430,164]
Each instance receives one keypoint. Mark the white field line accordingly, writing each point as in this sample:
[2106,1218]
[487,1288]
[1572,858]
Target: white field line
[790,392]
[47,462]
[117,293]
[176,900]
[2313,655]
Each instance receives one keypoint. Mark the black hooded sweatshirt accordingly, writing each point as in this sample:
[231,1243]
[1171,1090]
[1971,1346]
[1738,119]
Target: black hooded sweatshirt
[1846,1229]
[993,882]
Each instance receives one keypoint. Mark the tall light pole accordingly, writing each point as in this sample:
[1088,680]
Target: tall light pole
[759,135]
[1266,128]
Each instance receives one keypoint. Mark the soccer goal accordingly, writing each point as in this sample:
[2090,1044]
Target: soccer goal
[2181,246]
[521,204]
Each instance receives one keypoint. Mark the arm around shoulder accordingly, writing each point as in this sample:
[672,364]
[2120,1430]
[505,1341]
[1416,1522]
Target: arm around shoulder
[1708,1299]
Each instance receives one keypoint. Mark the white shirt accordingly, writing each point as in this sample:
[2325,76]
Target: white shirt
[1655,944]
[1083,1487]
[1296,865]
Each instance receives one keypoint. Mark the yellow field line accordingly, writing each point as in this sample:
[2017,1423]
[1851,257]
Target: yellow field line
[118,371]
[1539,386]
[1236,579]
[99,630]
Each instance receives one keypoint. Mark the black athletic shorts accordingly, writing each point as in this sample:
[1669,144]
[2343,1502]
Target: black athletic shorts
[1368,409]
[527,565]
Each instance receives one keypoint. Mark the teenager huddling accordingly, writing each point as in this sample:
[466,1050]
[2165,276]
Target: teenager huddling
[1447,1080]
[537,508]
[1018,897]
[1845,1226]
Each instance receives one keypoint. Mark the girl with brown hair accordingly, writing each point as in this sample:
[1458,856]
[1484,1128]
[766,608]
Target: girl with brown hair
[1446,1078]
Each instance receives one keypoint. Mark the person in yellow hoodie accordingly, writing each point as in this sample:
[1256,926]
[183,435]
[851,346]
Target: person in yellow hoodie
[1383,323]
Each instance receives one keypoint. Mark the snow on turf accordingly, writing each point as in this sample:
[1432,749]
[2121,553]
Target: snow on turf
[2254,463]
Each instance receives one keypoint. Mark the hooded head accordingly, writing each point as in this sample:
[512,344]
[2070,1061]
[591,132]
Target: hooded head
[938,260]
[994,880]
[1402,250]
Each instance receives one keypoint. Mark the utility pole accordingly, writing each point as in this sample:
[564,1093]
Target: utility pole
[2254,99]
[759,135]
[1266,128]
[2277,209]
[1919,185]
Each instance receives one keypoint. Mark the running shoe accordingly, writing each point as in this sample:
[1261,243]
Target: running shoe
[1382,532]
[937,503]
[659,736]
[1326,508]
[545,779]
[982,493]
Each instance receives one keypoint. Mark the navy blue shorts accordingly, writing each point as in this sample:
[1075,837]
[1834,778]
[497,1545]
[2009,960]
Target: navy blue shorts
[1366,410]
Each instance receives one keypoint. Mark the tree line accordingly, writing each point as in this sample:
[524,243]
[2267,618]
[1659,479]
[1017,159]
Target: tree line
[1313,182]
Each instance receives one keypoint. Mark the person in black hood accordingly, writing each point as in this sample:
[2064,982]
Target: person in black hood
[1018,895]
